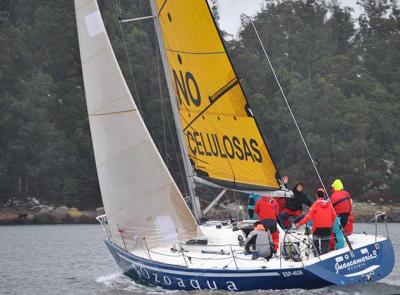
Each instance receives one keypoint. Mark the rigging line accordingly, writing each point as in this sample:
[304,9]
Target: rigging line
[119,11]
[297,126]
[177,157]
[111,113]
[287,103]
[194,157]
[136,19]
[186,122]
[141,10]
[194,53]
[163,111]
[234,197]
[214,98]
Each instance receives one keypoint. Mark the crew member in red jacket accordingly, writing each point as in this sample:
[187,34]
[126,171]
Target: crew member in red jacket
[323,216]
[267,213]
[341,202]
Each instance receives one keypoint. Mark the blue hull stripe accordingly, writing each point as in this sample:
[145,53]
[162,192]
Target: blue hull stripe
[199,274]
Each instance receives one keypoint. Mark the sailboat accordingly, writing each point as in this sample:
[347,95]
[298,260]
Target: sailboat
[152,233]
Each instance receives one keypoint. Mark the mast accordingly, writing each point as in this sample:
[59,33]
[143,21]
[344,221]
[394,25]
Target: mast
[186,161]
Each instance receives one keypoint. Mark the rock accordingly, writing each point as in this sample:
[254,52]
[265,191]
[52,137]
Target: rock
[44,210]
[74,213]
[8,216]
[394,215]
[60,214]
[366,211]
[42,214]
[88,217]
[30,217]
[43,217]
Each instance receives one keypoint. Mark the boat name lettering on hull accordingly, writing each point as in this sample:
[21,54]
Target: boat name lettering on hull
[233,147]
[287,274]
[171,280]
[355,263]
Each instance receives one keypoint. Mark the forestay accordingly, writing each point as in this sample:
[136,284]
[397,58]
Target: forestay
[222,137]
[140,197]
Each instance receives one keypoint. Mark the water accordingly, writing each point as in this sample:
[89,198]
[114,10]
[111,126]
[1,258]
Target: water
[72,259]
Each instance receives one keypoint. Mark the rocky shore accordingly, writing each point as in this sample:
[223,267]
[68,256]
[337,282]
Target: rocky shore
[49,215]
[41,214]
[363,212]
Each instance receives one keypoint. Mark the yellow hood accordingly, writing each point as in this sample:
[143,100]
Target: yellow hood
[337,185]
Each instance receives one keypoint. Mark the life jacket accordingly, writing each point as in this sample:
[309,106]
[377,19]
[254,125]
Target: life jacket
[341,201]
[348,228]
[280,203]
[275,206]
[321,213]
[264,209]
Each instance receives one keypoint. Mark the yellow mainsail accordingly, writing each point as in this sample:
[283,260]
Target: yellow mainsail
[222,138]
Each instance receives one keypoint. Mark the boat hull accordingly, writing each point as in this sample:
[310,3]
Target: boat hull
[367,264]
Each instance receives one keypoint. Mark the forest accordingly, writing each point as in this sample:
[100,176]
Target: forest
[341,76]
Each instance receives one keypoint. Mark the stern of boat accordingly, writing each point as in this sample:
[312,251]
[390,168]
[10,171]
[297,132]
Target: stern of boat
[369,263]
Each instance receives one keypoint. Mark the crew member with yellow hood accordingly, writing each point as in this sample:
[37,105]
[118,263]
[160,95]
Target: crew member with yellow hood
[341,202]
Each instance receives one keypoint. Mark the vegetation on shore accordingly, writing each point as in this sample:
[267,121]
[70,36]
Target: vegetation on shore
[341,76]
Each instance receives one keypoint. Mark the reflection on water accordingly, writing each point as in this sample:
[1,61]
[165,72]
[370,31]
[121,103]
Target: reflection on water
[72,259]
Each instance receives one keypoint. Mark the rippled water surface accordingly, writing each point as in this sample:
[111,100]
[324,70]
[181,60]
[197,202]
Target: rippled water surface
[72,259]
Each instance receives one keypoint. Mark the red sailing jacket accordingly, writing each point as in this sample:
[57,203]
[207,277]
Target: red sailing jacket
[264,209]
[348,228]
[279,204]
[341,201]
[321,213]
[275,206]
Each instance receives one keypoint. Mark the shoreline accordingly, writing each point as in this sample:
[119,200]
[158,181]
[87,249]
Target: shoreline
[362,211]
[49,215]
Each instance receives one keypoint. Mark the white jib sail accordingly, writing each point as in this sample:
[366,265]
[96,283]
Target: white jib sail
[140,197]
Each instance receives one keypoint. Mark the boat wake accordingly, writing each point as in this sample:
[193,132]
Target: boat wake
[119,281]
